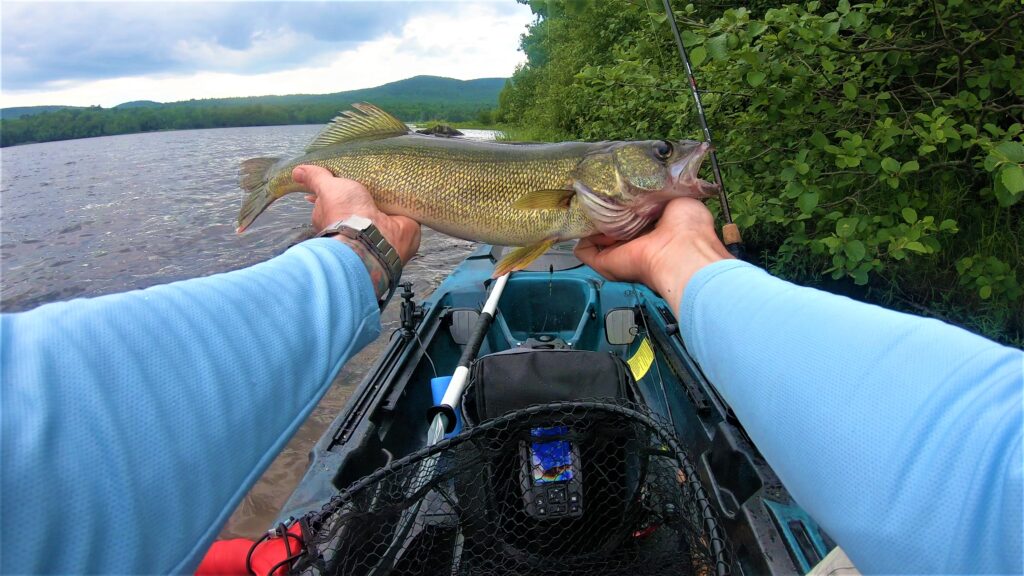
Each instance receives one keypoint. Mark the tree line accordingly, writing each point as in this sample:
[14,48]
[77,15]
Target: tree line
[73,123]
[872,148]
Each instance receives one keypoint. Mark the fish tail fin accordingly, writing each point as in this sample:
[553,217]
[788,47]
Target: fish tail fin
[521,257]
[253,177]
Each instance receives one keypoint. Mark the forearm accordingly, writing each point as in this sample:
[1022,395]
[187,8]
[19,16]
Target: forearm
[900,435]
[134,423]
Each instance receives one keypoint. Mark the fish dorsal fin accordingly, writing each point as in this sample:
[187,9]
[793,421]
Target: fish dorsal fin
[544,199]
[366,122]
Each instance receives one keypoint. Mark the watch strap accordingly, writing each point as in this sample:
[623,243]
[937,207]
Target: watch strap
[362,229]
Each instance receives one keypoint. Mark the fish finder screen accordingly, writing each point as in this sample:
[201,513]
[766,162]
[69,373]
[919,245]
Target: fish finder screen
[550,461]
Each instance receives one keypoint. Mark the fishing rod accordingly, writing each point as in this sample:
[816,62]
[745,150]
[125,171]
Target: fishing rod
[730,231]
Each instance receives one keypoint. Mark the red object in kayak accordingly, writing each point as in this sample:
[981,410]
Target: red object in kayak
[228,557]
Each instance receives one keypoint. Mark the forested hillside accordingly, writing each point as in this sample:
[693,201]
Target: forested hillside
[873,148]
[414,99]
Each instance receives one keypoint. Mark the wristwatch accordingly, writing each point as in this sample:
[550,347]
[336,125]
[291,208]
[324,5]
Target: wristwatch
[361,228]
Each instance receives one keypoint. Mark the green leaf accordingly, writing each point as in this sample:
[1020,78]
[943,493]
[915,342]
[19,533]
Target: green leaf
[756,28]
[910,166]
[807,202]
[949,225]
[718,47]
[985,292]
[916,247]
[818,139]
[1013,178]
[690,39]
[697,56]
[860,277]
[845,227]
[843,7]
[909,214]
[854,19]
[855,250]
[890,165]
[755,78]
[850,90]
[1013,151]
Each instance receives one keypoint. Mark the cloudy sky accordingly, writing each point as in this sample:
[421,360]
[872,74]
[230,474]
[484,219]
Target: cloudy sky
[105,53]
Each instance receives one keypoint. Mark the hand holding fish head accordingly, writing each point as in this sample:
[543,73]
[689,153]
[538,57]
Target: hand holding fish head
[626,185]
[664,258]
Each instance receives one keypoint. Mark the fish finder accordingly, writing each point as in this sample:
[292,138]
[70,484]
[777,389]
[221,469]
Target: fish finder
[551,477]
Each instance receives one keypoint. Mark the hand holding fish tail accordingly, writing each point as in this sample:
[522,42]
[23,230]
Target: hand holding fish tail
[665,258]
[336,198]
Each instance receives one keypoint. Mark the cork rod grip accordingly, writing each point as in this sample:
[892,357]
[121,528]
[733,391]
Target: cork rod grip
[731,234]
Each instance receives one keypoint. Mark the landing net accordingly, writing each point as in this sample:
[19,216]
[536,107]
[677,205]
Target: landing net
[580,488]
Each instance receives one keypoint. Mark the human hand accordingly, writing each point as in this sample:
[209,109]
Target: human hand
[335,199]
[665,258]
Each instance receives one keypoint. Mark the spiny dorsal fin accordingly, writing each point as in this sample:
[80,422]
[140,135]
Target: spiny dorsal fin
[366,122]
[544,199]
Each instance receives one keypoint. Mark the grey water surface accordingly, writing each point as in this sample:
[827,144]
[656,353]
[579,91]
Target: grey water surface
[83,218]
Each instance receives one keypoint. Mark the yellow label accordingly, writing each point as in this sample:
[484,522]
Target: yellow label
[642,359]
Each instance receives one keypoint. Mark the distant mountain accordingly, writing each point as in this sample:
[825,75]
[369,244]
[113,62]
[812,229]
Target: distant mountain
[416,99]
[424,89]
[18,112]
[139,104]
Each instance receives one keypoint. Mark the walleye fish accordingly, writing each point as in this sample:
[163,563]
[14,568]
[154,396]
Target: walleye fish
[527,195]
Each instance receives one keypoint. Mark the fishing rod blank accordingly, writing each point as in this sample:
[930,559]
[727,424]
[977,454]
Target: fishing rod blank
[730,232]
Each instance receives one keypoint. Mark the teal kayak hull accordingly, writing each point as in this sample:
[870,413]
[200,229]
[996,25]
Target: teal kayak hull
[559,302]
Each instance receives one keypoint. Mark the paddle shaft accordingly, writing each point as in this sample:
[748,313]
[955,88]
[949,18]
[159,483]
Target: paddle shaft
[443,415]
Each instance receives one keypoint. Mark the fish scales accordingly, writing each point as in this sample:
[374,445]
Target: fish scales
[464,189]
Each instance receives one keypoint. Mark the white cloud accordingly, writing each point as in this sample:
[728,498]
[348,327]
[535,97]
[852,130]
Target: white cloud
[464,41]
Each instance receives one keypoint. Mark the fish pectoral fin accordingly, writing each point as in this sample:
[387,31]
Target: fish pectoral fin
[366,122]
[544,199]
[521,257]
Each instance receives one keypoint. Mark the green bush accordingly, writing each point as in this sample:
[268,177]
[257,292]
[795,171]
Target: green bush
[876,147]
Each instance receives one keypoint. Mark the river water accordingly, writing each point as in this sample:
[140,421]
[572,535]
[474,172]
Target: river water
[84,218]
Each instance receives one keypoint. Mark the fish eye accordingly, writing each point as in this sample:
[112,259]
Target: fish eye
[663,149]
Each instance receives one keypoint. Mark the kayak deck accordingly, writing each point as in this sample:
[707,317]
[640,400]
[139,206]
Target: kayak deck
[563,304]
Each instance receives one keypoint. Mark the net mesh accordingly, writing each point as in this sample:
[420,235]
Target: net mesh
[586,488]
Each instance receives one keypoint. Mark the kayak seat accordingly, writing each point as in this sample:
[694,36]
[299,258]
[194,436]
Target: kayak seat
[514,379]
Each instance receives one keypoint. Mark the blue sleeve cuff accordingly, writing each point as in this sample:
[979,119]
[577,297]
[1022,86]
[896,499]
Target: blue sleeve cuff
[700,281]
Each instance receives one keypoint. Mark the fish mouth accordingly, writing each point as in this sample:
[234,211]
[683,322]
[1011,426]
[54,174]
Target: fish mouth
[685,181]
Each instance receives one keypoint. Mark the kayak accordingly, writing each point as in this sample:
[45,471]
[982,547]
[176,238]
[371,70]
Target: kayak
[586,440]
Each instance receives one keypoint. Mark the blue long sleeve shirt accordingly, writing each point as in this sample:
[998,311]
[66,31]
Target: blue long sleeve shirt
[134,423]
[900,435]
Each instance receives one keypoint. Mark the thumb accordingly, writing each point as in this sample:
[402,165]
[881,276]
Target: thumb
[312,177]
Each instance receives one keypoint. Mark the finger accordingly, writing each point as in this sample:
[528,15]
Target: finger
[604,240]
[312,177]
[619,262]
[591,254]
